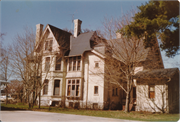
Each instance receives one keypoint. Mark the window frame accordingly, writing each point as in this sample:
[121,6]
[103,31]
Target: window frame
[58,62]
[96,90]
[45,87]
[48,45]
[54,92]
[151,93]
[114,91]
[74,64]
[47,65]
[96,64]
[73,83]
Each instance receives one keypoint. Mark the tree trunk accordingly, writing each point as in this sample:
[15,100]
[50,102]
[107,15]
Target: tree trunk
[39,100]
[127,102]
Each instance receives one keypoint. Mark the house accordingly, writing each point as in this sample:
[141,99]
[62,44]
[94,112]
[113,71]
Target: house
[74,68]
[67,62]
[158,90]
[3,85]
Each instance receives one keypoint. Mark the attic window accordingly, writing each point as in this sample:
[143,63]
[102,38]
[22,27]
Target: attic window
[96,64]
[48,45]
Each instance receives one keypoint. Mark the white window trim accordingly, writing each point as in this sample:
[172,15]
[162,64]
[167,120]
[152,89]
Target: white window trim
[98,91]
[48,40]
[61,65]
[76,64]
[71,87]
[59,87]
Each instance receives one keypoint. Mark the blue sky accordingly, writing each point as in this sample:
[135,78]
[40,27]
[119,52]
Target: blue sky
[15,15]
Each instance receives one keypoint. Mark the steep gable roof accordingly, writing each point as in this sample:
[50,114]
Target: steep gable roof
[62,37]
[80,44]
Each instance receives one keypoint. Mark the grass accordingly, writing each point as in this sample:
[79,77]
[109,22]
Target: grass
[142,116]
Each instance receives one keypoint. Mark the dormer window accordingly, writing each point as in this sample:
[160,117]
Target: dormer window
[48,45]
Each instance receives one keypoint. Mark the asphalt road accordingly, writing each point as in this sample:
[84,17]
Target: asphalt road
[33,116]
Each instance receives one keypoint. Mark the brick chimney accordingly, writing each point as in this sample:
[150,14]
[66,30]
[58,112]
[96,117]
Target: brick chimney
[39,30]
[77,27]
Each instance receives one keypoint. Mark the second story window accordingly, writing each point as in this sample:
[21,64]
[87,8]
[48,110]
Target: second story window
[74,63]
[58,63]
[48,45]
[96,90]
[70,63]
[47,64]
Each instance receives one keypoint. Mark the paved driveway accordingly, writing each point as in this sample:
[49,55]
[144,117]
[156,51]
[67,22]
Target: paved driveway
[33,116]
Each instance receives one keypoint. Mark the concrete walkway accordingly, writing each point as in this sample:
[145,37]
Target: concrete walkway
[34,116]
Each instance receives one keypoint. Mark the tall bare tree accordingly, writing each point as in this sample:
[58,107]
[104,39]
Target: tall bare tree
[6,70]
[126,56]
[29,63]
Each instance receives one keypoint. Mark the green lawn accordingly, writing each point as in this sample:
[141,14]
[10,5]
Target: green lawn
[144,116]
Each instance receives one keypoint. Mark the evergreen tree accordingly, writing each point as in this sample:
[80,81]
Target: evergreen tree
[157,18]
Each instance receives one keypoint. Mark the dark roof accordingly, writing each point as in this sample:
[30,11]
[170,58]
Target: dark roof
[123,50]
[81,43]
[156,73]
[62,37]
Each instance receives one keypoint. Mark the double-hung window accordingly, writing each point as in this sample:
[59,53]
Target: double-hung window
[151,91]
[114,91]
[47,64]
[74,63]
[48,45]
[96,90]
[57,87]
[58,63]
[73,87]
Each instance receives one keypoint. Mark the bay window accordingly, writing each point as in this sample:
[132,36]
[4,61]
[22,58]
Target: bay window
[73,87]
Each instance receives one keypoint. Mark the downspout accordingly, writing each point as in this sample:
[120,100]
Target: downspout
[82,76]
[87,81]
